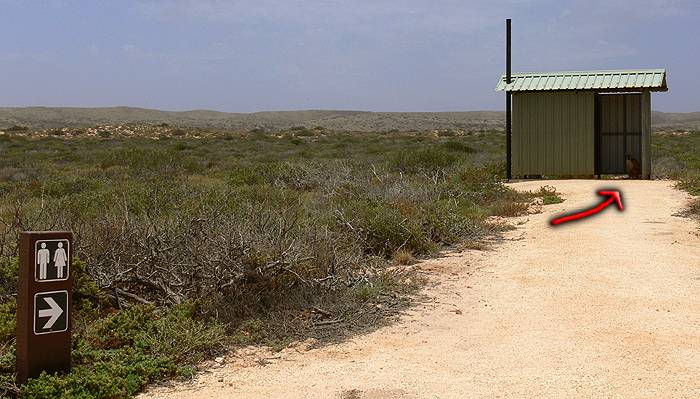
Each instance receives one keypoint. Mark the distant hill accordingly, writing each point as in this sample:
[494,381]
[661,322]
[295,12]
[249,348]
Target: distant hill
[53,117]
[678,120]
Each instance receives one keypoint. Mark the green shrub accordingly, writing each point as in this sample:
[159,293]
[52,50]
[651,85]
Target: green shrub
[476,176]
[366,292]
[83,285]
[387,229]
[122,352]
[121,328]
[7,370]
[8,311]
[117,373]
[181,337]
[260,173]
[548,194]
[457,146]
[690,183]
[403,257]
[676,157]
[182,146]
[144,162]
[7,357]
[449,221]
[303,131]
[429,160]
[508,208]
[65,186]
[249,332]
[9,274]
[552,199]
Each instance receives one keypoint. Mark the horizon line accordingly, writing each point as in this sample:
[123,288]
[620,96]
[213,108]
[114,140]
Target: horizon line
[105,107]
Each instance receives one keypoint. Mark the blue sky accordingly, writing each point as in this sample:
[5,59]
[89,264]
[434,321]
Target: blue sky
[403,55]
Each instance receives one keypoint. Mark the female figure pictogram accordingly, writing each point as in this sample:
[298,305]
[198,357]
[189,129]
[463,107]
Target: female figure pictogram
[59,260]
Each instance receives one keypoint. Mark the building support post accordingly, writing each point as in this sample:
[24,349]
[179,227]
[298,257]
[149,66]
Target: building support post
[646,134]
[509,135]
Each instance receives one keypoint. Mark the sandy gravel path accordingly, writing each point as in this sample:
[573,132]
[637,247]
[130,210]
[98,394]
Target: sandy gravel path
[609,307]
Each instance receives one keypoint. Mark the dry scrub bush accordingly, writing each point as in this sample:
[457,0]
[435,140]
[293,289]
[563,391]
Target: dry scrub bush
[162,223]
[403,257]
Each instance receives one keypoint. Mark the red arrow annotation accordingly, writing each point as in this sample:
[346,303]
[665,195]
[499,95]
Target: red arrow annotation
[612,196]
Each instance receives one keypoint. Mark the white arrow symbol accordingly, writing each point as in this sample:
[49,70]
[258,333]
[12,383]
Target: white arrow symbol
[54,313]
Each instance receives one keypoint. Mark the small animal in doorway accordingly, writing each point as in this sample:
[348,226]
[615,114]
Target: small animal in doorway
[633,169]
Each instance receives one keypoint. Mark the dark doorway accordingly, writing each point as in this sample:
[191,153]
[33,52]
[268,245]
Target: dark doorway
[618,131]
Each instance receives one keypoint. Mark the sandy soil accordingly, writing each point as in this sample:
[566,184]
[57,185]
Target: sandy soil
[607,307]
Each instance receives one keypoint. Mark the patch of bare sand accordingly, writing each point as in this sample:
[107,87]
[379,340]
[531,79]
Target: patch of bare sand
[607,307]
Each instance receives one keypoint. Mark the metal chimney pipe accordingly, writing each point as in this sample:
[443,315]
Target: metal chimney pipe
[508,50]
[508,104]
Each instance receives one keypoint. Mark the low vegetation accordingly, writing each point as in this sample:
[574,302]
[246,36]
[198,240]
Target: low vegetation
[189,243]
[549,195]
[676,155]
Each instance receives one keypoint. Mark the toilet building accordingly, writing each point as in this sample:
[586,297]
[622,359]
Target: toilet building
[581,124]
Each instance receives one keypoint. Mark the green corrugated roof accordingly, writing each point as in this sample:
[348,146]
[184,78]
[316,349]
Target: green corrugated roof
[650,79]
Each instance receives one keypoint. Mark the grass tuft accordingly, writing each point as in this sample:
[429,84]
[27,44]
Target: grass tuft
[403,257]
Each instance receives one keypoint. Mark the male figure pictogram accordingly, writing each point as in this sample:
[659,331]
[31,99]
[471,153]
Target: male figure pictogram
[59,260]
[42,259]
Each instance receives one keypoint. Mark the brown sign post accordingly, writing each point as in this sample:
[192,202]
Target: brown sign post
[44,303]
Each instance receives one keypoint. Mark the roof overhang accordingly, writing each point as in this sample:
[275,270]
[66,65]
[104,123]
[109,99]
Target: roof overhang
[602,81]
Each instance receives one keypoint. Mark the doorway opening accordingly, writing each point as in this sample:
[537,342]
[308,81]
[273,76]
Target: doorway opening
[618,132]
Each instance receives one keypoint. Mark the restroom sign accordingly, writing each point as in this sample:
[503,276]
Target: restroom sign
[44,303]
[50,312]
[51,260]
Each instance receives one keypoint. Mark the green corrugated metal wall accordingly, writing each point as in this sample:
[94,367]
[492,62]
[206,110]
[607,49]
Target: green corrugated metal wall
[553,133]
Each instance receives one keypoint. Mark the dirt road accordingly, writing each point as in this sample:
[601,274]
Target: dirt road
[609,307]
